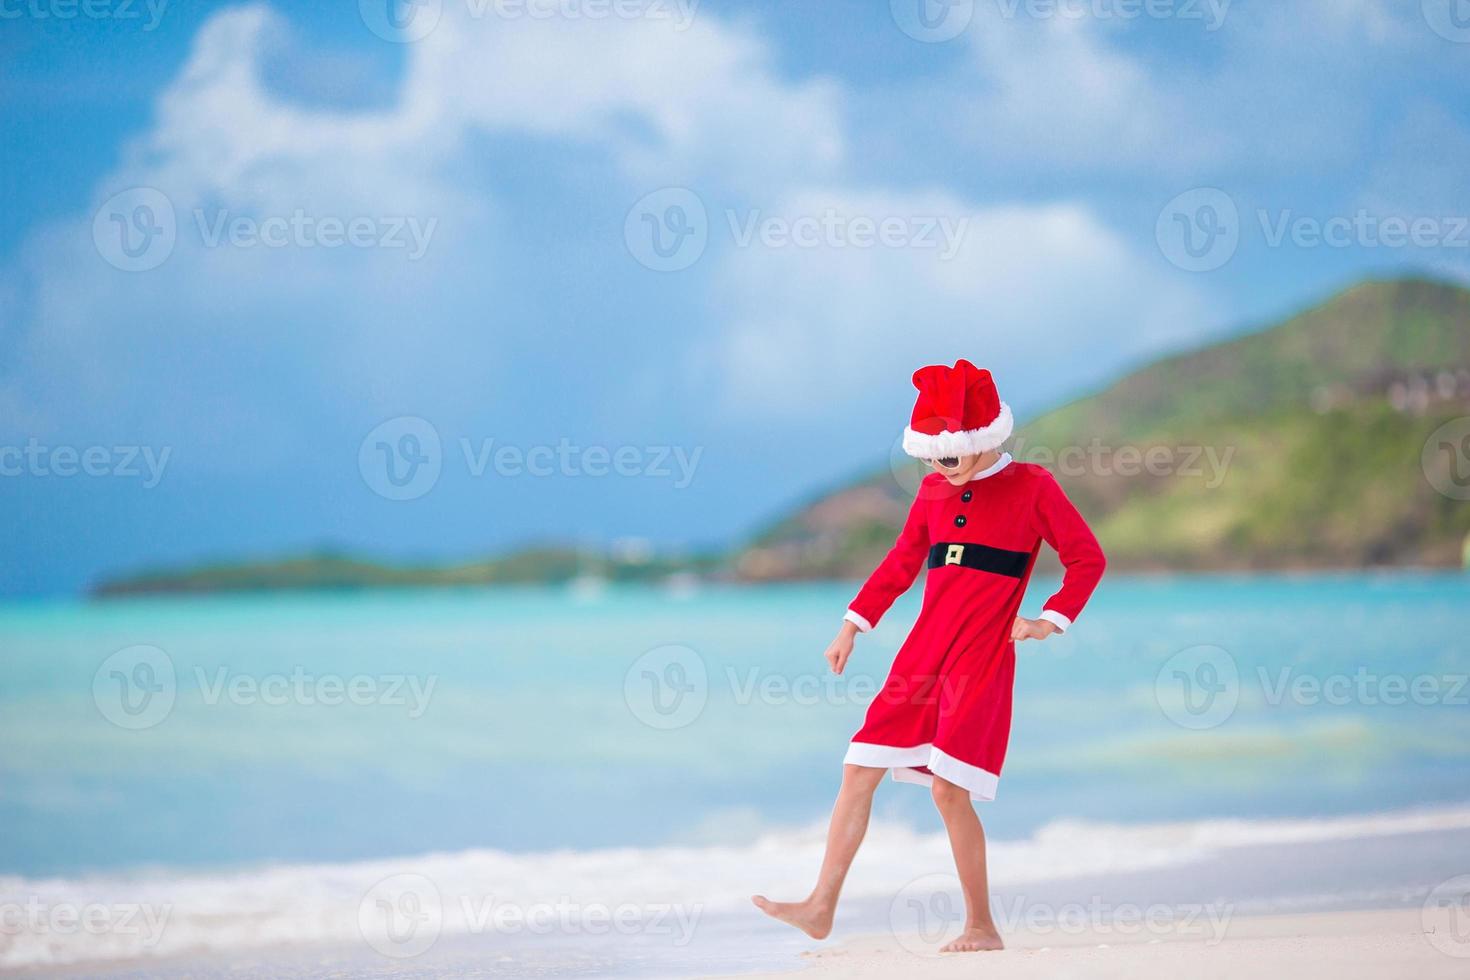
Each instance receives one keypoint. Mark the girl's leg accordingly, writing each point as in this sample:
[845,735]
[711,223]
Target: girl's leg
[967,840]
[849,823]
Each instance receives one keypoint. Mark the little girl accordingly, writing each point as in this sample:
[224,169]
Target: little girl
[943,717]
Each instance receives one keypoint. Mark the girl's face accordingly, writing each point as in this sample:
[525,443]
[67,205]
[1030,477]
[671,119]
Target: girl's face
[958,469]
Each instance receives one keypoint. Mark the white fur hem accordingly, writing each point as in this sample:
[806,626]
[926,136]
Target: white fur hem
[970,442]
[1062,623]
[981,783]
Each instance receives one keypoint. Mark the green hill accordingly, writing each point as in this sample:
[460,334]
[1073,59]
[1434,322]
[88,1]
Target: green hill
[331,571]
[1297,446]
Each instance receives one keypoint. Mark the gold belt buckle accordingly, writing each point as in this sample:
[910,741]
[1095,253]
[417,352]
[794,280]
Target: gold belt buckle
[954,554]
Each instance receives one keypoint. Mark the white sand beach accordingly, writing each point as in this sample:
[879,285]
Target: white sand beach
[1383,895]
[1323,946]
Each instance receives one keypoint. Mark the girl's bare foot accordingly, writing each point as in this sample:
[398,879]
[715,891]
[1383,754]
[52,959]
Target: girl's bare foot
[810,917]
[974,940]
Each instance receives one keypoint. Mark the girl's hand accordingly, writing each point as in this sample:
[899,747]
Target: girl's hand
[841,648]
[1031,629]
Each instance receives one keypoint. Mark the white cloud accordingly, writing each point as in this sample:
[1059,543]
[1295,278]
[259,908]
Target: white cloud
[706,98]
[1054,88]
[212,345]
[1027,289]
[1276,86]
[703,97]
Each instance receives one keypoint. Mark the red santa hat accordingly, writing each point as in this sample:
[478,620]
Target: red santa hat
[958,413]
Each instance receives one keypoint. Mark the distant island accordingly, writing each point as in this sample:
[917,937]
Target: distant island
[1298,446]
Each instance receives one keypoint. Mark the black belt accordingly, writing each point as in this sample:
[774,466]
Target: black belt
[981,557]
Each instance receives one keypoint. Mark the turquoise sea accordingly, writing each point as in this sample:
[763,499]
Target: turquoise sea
[622,744]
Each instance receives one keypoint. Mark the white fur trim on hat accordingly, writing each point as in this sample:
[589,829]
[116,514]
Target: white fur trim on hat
[970,442]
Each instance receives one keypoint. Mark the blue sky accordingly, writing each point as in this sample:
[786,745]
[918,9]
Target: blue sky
[1033,171]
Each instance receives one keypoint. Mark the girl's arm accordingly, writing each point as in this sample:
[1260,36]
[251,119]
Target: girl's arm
[896,572]
[889,580]
[1062,527]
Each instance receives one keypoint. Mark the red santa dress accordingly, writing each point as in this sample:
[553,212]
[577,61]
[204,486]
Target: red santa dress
[945,708]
